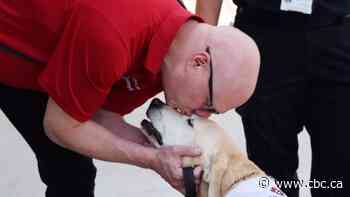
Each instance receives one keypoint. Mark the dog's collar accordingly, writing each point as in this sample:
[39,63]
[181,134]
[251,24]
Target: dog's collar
[189,182]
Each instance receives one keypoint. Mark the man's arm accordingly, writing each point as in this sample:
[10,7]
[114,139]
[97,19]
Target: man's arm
[93,140]
[107,137]
[117,125]
[209,10]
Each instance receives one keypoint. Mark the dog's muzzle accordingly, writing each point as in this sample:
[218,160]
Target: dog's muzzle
[189,179]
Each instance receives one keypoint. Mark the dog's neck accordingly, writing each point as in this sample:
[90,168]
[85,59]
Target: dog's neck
[234,174]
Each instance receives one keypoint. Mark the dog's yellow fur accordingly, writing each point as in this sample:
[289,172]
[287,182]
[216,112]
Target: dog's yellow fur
[223,163]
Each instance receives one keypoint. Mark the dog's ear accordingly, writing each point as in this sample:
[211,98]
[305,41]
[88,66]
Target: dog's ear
[151,139]
[218,167]
[239,169]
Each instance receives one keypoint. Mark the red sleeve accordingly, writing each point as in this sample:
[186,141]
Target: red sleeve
[89,58]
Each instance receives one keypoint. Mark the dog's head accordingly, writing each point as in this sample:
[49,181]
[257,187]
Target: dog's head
[170,127]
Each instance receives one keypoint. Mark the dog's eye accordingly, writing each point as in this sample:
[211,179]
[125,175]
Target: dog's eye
[190,122]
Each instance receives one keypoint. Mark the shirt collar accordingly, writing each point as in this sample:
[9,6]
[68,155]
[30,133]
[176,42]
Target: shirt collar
[163,38]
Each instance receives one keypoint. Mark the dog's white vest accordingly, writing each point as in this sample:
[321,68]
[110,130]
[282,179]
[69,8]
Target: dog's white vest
[257,187]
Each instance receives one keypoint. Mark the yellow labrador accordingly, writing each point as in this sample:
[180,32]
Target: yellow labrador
[227,171]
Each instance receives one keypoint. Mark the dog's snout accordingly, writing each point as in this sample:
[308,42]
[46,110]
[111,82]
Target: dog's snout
[156,103]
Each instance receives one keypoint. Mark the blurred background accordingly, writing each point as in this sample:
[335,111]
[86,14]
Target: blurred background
[19,177]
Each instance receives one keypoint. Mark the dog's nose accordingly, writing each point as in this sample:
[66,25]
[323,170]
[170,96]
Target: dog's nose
[156,103]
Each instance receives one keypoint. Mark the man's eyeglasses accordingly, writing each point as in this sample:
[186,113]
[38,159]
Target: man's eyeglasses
[209,107]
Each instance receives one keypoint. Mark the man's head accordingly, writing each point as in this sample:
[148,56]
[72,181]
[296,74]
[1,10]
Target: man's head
[209,67]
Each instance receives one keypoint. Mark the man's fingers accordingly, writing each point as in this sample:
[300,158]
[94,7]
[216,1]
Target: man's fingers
[177,174]
[171,157]
[198,174]
[187,151]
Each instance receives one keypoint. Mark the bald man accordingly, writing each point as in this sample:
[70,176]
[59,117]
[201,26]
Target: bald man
[71,69]
[200,52]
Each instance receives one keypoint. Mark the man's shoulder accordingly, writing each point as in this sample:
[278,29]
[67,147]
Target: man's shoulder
[128,17]
[127,14]
[129,7]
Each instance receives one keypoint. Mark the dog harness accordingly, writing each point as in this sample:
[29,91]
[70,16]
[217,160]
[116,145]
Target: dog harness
[257,187]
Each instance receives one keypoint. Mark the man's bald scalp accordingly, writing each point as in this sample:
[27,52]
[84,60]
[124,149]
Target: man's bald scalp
[236,61]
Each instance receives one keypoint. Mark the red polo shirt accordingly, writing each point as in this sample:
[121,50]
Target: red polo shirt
[89,53]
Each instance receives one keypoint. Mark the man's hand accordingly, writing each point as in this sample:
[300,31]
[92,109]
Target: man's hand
[168,164]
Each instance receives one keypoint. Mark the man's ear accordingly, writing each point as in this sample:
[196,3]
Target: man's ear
[200,59]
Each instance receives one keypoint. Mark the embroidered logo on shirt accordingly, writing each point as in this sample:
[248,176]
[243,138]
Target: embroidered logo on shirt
[131,83]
